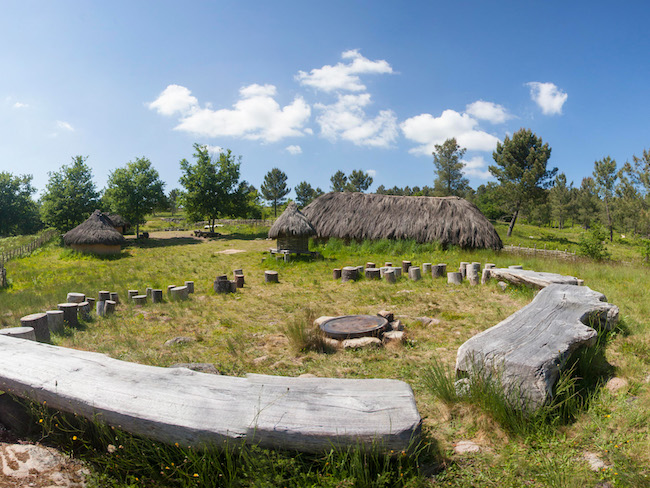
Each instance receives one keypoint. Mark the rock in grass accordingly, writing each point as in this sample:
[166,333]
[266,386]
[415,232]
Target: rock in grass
[179,340]
[395,336]
[25,463]
[390,316]
[615,384]
[362,343]
[466,447]
[321,320]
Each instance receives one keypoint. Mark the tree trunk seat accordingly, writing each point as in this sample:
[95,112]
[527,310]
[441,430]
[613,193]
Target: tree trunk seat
[530,278]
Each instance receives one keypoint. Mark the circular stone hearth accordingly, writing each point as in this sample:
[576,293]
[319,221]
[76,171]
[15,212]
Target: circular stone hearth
[353,326]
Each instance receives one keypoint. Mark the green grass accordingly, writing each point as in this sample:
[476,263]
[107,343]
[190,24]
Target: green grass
[251,331]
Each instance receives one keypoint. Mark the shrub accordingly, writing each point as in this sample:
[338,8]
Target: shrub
[592,244]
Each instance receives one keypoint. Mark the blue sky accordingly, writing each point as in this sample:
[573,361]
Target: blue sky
[314,87]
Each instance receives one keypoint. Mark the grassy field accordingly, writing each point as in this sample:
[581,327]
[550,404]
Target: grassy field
[247,332]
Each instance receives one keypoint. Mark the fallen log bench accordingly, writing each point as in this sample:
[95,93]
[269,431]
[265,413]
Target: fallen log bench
[526,352]
[528,277]
[199,409]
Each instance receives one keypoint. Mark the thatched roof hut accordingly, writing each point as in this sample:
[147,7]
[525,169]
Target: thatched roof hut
[292,230]
[96,235]
[448,220]
[118,222]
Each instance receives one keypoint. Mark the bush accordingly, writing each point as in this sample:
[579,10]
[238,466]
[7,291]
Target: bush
[592,244]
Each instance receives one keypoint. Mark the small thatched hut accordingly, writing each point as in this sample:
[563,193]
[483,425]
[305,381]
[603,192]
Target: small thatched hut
[292,230]
[118,222]
[358,216]
[96,235]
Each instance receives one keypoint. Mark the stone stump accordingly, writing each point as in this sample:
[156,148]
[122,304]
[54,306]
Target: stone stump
[405,266]
[455,278]
[104,295]
[426,269]
[19,333]
[438,270]
[271,276]
[84,310]
[349,273]
[156,295]
[132,293]
[239,281]
[55,320]
[414,273]
[179,293]
[389,276]
[139,300]
[69,313]
[336,273]
[115,297]
[38,322]
[373,273]
[190,286]
[76,298]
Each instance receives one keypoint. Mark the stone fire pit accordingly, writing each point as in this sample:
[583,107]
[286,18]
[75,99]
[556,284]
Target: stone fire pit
[354,326]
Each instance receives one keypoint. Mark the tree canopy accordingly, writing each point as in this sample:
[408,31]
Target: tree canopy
[70,195]
[274,188]
[359,180]
[521,170]
[18,212]
[305,194]
[135,191]
[605,176]
[339,181]
[449,169]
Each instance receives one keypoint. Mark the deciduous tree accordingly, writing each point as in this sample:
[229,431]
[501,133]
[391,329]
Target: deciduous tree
[274,188]
[18,212]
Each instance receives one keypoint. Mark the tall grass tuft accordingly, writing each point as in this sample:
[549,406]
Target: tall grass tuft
[304,335]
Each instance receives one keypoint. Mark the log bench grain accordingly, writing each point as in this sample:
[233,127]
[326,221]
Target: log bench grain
[198,409]
[530,278]
[526,351]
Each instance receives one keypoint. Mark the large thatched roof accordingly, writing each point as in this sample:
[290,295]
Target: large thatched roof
[291,223]
[98,229]
[448,220]
[116,219]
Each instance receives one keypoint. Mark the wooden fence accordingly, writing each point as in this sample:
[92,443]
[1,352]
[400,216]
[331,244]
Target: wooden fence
[535,251]
[20,251]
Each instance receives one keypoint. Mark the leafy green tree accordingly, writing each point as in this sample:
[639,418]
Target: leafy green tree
[18,212]
[135,191]
[274,188]
[212,187]
[628,210]
[560,199]
[592,243]
[305,194]
[587,204]
[359,180]
[521,170]
[247,201]
[173,200]
[605,176]
[70,195]
[339,181]
[449,169]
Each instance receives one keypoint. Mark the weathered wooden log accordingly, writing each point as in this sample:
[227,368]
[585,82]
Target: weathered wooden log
[83,309]
[463,268]
[516,266]
[388,264]
[237,272]
[389,275]
[372,273]
[490,265]
[109,307]
[531,279]
[336,273]
[304,414]
[38,322]
[169,290]
[190,286]
[55,321]
[148,292]
[349,273]
[115,297]
[91,301]
[239,281]
[360,270]
[156,295]
[132,293]
[222,285]
[405,267]
[370,265]
[139,300]
[485,277]
[526,352]
[69,313]
[104,295]
[472,275]
[415,273]
[76,297]
[271,276]
[233,286]
[455,278]
[438,270]
[179,293]
[426,269]
[477,267]
[100,308]
[19,333]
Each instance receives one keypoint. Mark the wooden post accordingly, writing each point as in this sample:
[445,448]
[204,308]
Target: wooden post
[490,265]
[438,270]
[389,276]
[426,269]
[405,266]
[336,273]
[190,286]
[37,321]
[148,292]
[100,308]
[109,307]
[239,281]
[233,286]
[349,273]
[388,264]
[139,300]
[156,295]
[271,276]
[370,265]
[104,295]
[237,272]
[485,277]
[414,273]
[169,287]
[454,278]
[69,313]
[463,268]
[132,293]
[372,273]
[19,333]
[477,267]
[472,275]
[84,310]
[91,302]
[55,320]
[115,297]
[76,298]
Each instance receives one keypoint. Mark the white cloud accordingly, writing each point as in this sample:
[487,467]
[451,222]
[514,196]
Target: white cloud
[214,150]
[174,99]
[548,96]
[476,167]
[346,119]
[294,150]
[428,131]
[256,115]
[372,172]
[64,125]
[343,76]
[20,105]
[492,112]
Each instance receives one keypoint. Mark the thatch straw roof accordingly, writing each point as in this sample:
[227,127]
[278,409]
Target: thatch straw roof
[448,220]
[291,223]
[98,229]
[116,219]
